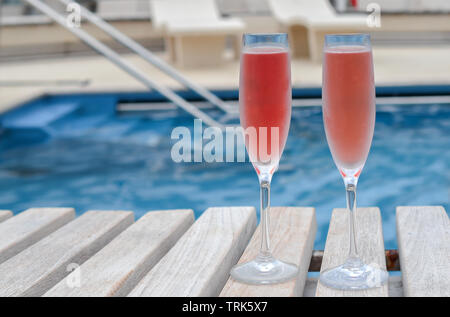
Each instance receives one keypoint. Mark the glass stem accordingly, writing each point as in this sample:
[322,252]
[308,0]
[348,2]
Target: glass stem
[351,206]
[264,252]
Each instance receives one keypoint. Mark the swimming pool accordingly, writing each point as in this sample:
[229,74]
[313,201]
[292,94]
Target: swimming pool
[76,151]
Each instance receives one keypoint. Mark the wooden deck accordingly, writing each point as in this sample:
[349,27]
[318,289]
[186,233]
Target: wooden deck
[49,252]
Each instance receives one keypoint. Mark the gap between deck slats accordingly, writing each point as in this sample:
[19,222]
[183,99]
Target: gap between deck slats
[120,265]
[39,267]
[370,245]
[292,233]
[200,262]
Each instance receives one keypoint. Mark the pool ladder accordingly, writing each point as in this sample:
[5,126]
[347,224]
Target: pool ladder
[130,68]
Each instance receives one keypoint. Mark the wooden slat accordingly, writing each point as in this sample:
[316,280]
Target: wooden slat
[369,236]
[39,267]
[292,233]
[119,266]
[200,263]
[28,227]
[394,285]
[5,214]
[423,235]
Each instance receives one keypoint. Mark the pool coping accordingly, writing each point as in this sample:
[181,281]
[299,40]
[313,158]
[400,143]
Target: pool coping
[302,96]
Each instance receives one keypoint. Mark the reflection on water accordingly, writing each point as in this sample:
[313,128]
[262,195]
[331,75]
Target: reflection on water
[102,161]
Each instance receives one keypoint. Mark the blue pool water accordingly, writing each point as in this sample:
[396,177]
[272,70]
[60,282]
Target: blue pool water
[78,152]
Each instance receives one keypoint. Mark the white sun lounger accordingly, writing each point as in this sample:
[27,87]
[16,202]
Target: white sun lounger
[195,33]
[123,9]
[307,21]
[408,6]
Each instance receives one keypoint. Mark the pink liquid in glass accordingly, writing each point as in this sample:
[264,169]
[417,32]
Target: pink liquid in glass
[348,105]
[265,100]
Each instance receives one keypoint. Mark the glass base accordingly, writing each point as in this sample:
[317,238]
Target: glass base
[354,275]
[264,270]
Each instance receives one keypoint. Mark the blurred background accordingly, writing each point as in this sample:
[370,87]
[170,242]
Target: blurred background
[78,131]
[411,44]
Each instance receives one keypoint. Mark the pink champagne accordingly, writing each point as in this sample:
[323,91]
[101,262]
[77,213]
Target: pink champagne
[349,105]
[265,100]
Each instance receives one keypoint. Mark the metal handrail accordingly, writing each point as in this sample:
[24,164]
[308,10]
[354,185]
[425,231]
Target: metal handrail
[126,66]
[149,56]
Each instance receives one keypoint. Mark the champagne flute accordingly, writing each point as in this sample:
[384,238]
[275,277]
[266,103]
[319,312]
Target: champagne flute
[265,113]
[348,95]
